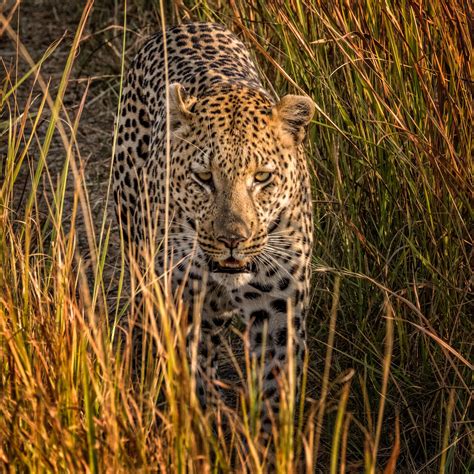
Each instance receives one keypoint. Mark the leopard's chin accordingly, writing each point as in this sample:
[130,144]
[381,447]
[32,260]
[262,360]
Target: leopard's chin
[231,280]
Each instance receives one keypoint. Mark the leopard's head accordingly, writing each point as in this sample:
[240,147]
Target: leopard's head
[235,167]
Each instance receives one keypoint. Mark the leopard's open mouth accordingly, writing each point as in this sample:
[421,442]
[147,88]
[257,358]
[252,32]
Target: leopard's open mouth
[230,265]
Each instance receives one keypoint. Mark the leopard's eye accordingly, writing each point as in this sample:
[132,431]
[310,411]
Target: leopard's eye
[263,177]
[204,176]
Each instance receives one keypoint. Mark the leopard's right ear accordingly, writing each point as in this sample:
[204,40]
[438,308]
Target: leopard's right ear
[180,107]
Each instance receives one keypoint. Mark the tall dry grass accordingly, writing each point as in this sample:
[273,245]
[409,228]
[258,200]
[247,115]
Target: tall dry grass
[389,377]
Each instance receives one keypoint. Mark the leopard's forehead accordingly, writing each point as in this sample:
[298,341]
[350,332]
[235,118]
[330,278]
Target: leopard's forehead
[233,122]
[242,105]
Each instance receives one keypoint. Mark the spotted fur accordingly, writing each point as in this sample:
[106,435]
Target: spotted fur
[244,241]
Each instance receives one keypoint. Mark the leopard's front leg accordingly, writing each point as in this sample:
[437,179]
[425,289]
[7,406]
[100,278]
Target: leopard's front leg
[216,317]
[269,338]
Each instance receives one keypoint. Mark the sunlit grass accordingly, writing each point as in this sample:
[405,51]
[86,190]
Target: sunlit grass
[389,374]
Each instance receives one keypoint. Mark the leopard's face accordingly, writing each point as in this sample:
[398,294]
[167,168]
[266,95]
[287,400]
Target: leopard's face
[233,172]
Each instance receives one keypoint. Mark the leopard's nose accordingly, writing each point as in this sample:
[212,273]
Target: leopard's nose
[232,241]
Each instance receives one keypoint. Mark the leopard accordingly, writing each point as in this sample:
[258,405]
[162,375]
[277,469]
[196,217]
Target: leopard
[214,162]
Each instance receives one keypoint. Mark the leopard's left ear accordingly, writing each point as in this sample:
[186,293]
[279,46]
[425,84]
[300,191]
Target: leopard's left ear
[292,114]
[180,107]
